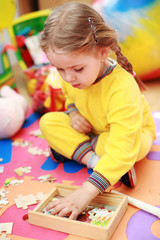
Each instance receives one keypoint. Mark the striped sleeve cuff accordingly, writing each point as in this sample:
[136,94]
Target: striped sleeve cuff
[99,181]
[71,107]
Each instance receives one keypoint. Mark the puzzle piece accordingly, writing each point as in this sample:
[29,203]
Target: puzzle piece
[12,181]
[4,237]
[46,152]
[21,170]
[26,169]
[38,151]
[17,142]
[25,201]
[6,227]
[7,182]
[45,178]
[16,182]
[36,133]
[18,171]
[1,169]
[3,199]
[35,151]
[21,143]
[3,193]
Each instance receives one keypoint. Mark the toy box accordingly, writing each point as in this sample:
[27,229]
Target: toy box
[75,227]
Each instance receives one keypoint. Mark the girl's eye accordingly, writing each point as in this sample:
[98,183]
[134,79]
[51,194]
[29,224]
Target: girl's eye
[79,69]
[59,69]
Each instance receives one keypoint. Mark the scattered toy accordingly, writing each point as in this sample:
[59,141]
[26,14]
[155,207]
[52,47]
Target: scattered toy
[3,199]
[6,227]
[4,237]
[35,151]
[21,143]
[47,178]
[12,181]
[21,170]
[36,133]
[1,169]
[7,182]
[25,201]
[32,150]
[38,151]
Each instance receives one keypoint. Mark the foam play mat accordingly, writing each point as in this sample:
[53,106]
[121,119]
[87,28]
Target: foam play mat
[27,171]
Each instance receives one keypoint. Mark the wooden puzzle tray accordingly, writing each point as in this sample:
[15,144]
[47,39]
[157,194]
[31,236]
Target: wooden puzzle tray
[75,227]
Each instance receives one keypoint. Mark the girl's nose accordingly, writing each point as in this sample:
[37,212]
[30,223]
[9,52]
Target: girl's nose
[69,77]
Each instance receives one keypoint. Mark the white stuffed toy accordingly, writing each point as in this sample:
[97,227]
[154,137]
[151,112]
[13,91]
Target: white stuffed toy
[13,107]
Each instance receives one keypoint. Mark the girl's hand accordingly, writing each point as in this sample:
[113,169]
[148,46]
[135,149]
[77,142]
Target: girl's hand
[74,203]
[79,123]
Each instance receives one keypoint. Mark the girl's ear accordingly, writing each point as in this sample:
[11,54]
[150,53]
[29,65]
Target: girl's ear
[104,52]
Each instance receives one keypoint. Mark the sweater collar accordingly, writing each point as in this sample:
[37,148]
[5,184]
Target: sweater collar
[108,71]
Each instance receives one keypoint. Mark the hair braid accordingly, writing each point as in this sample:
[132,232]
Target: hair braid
[124,63]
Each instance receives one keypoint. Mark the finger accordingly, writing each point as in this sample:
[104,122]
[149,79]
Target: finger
[57,209]
[86,128]
[53,204]
[65,212]
[79,126]
[79,129]
[50,206]
[74,214]
[85,123]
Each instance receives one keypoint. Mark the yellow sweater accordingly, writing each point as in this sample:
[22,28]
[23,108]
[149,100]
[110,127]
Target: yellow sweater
[114,105]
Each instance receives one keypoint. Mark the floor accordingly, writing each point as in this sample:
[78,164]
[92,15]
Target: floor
[133,222]
[152,94]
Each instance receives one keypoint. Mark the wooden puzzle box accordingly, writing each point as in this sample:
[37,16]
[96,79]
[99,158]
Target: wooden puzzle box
[115,203]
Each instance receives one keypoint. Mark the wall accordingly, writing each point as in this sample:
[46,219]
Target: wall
[54,3]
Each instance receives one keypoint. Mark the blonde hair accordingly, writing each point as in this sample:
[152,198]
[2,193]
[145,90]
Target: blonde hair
[68,29]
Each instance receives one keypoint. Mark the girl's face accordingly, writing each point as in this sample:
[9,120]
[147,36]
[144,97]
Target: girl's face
[77,68]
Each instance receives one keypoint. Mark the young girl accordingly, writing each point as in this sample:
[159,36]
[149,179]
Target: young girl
[108,125]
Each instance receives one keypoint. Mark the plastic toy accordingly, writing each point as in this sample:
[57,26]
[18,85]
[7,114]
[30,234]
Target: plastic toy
[43,84]
[6,75]
[23,27]
[24,33]
[13,107]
